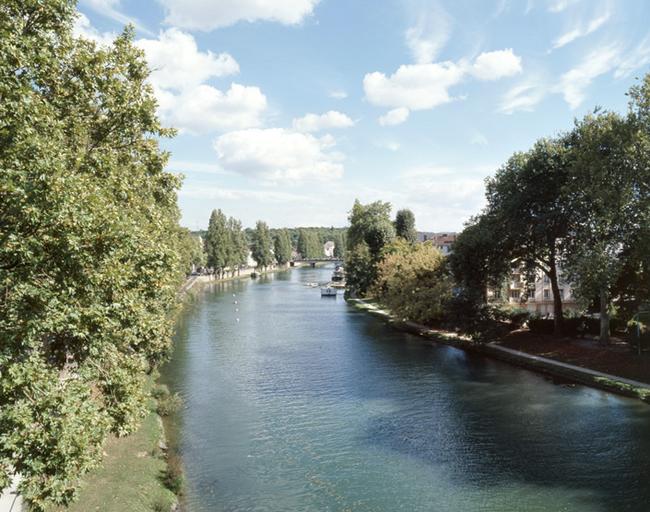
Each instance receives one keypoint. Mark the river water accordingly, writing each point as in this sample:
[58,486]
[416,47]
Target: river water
[293,402]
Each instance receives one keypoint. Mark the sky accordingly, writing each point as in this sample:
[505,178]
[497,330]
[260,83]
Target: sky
[288,110]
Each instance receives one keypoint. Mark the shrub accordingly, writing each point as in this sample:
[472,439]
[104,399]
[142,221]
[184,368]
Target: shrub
[541,325]
[168,405]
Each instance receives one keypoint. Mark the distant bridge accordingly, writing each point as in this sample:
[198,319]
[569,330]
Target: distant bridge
[314,261]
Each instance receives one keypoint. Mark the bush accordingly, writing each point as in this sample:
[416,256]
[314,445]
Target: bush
[167,403]
[541,325]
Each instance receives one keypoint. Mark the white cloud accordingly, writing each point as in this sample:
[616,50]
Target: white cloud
[338,94]
[497,64]
[523,96]
[394,117]
[238,194]
[414,86]
[478,139]
[185,101]
[277,154]
[429,33]
[581,30]
[111,9]
[560,5]
[203,108]
[178,64]
[573,83]
[211,14]
[315,122]
[636,58]
[83,28]
[425,86]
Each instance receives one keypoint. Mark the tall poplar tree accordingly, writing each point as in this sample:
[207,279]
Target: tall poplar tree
[262,245]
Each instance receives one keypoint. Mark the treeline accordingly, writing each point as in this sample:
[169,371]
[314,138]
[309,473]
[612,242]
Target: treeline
[90,247]
[575,207]
[226,246]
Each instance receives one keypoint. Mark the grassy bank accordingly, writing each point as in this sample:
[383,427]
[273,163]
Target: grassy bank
[131,475]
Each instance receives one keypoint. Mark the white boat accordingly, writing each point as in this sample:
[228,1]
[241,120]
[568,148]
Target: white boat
[327,291]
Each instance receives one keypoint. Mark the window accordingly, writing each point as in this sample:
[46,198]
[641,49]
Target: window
[562,293]
[514,294]
[547,294]
[546,280]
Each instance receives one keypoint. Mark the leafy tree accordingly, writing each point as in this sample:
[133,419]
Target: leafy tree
[610,190]
[476,261]
[309,246]
[191,250]
[413,282]
[405,225]
[370,231]
[359,269]
[282,244]
[262,245]
[89,257]
[531,213]
[237,245]
[218,241]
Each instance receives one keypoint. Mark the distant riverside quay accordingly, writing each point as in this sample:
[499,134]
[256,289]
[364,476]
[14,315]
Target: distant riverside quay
[297,402]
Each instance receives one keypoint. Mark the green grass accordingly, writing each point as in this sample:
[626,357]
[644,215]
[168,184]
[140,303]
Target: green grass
[130,477]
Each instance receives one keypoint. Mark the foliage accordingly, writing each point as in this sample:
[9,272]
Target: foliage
[308,244]
[262,245]
[412,281]
[89,263]
[477,262]
[405,225]
[217,241]
[526,200]
[360,269]
[611,177]
[370,231]
[191,250]
[237,252]
[282,246]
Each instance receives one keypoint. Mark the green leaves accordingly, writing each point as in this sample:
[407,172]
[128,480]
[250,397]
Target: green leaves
[89,252]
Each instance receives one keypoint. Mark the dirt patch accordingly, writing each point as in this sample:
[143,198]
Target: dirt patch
[618,358]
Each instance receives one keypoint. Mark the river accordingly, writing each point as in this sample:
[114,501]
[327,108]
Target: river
[293,402]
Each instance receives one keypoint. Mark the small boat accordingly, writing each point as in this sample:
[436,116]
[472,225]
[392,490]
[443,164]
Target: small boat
[339,274]
[327,291]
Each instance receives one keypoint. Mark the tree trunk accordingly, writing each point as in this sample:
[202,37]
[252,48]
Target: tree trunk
[558,317]
[604,316]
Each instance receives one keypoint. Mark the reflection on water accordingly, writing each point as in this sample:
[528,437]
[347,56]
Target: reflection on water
[297,402]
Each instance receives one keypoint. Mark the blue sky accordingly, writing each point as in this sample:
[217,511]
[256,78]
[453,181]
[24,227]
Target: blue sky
[288,110]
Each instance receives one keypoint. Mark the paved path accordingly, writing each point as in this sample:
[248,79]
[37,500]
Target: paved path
[9,502]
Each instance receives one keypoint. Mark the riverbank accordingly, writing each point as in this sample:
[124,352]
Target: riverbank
[242,274]
[132,473]
[552,367]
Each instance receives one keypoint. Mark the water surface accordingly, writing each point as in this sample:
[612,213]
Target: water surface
[295,402]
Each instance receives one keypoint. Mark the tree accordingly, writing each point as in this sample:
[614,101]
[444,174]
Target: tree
[477,262]
[610,190]
[237,246]
[412,281]
[89,257]
[370,231]
[282,244]
[531,214]
[218,241]
[262,245]
[191,250]
[405,226]
[309,245]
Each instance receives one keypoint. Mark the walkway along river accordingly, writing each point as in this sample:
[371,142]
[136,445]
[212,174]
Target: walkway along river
[295,402]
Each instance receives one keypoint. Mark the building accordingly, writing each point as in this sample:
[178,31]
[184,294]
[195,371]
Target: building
[328,249]
[536,297]
[442,241]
